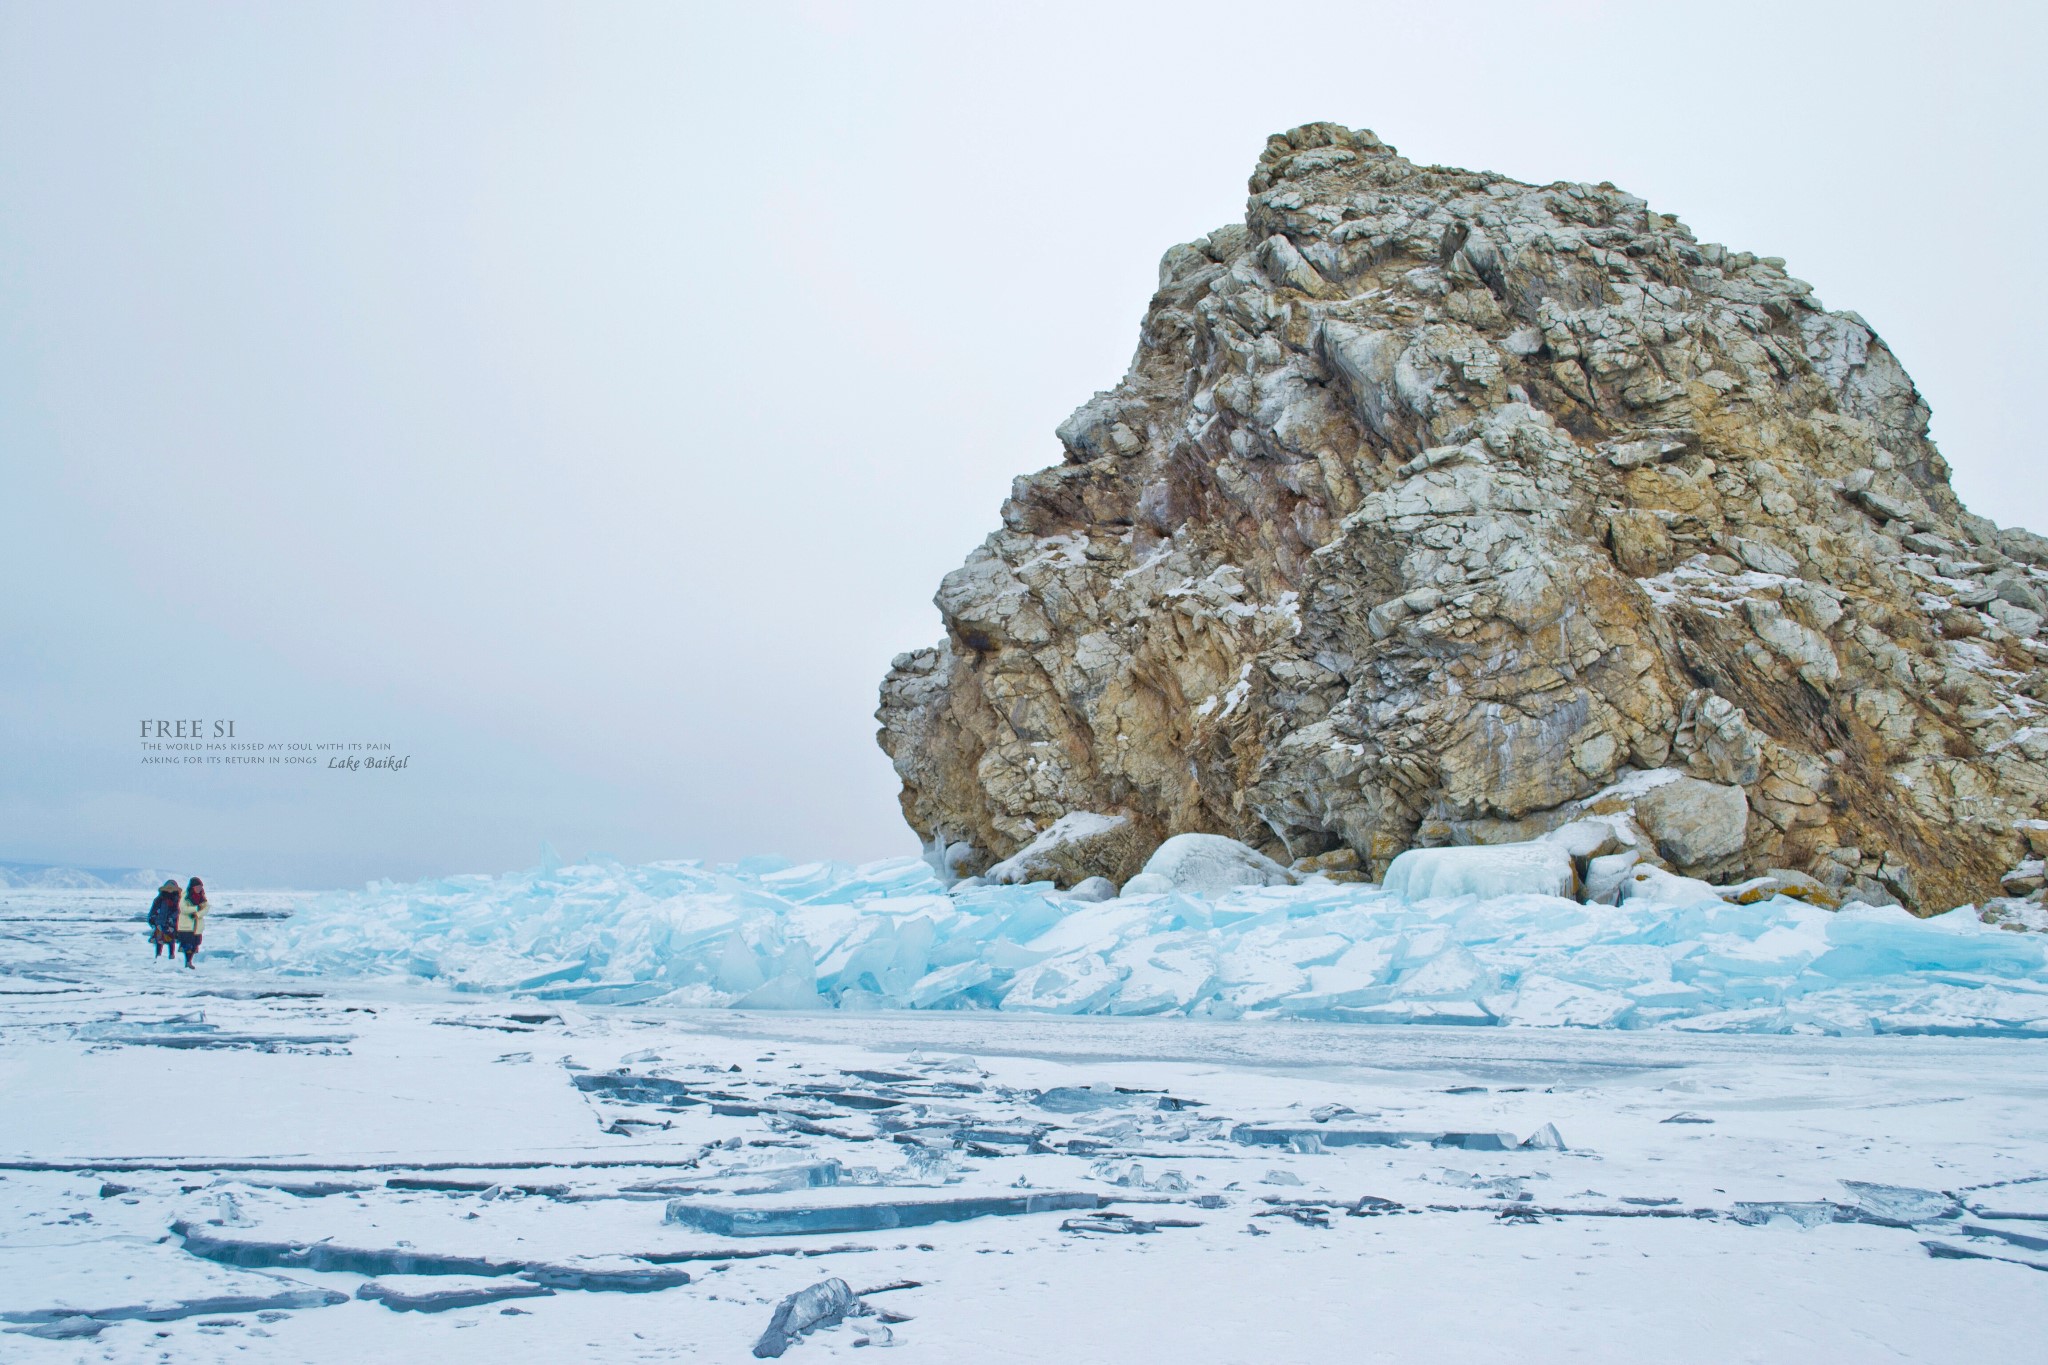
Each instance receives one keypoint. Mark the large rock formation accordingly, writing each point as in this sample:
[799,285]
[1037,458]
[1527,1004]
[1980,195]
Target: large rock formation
[1434,504]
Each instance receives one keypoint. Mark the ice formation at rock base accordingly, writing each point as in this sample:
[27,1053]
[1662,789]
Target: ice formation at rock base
[762,934]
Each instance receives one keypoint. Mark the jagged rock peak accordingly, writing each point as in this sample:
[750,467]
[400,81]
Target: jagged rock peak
[1441,508]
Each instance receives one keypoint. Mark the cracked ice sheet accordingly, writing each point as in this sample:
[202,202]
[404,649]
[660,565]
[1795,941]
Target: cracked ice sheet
[428,1080]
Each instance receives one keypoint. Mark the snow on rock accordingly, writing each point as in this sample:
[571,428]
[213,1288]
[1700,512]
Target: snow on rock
[2026,878]
[1541,868]
[1598,836]
[1634,785]
[1646,885]
[1695,823]
[1204,864]
[1462,935]
[1780,881]
[1079,846]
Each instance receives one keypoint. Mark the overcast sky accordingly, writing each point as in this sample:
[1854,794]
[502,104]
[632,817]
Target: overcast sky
[587,399]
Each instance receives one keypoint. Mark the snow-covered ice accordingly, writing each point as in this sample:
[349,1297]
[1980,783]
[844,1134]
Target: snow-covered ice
[1451,939]
[234,1163]
[1482,872]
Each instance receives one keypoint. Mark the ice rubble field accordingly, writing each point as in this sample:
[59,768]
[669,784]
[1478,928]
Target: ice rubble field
[230,1164]
[763,934]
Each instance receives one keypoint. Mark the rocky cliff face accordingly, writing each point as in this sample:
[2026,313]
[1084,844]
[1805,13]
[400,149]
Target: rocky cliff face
[1434,504]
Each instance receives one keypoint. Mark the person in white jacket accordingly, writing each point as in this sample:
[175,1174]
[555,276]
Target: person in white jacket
[191,918]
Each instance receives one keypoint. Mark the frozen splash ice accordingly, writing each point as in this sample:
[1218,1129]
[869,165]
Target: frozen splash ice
[764,934]
[1482,870]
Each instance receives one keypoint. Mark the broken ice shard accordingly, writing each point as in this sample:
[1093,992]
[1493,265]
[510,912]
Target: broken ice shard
[253,1254]
[819,1305]
[620,1085]
[1118,1224]
[1079,1099]
[1899,1206]
[1804,1213]
[1310,1140]
[71,1322]
[441,1298]
[729,1220]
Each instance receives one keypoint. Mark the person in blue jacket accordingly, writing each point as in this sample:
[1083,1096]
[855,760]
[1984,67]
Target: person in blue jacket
[163,921]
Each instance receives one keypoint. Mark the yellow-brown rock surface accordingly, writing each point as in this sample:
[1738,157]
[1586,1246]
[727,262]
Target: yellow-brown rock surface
[1434,503]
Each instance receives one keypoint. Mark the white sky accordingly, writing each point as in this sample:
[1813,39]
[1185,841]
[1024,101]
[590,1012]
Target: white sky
[588,399]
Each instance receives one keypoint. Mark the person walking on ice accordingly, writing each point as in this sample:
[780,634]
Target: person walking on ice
[191,919]
[163,922]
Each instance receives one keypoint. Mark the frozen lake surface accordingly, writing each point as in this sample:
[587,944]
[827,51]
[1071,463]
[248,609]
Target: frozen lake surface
[231,1163]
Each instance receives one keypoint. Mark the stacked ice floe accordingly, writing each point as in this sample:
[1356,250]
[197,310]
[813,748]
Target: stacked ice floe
[766,935]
